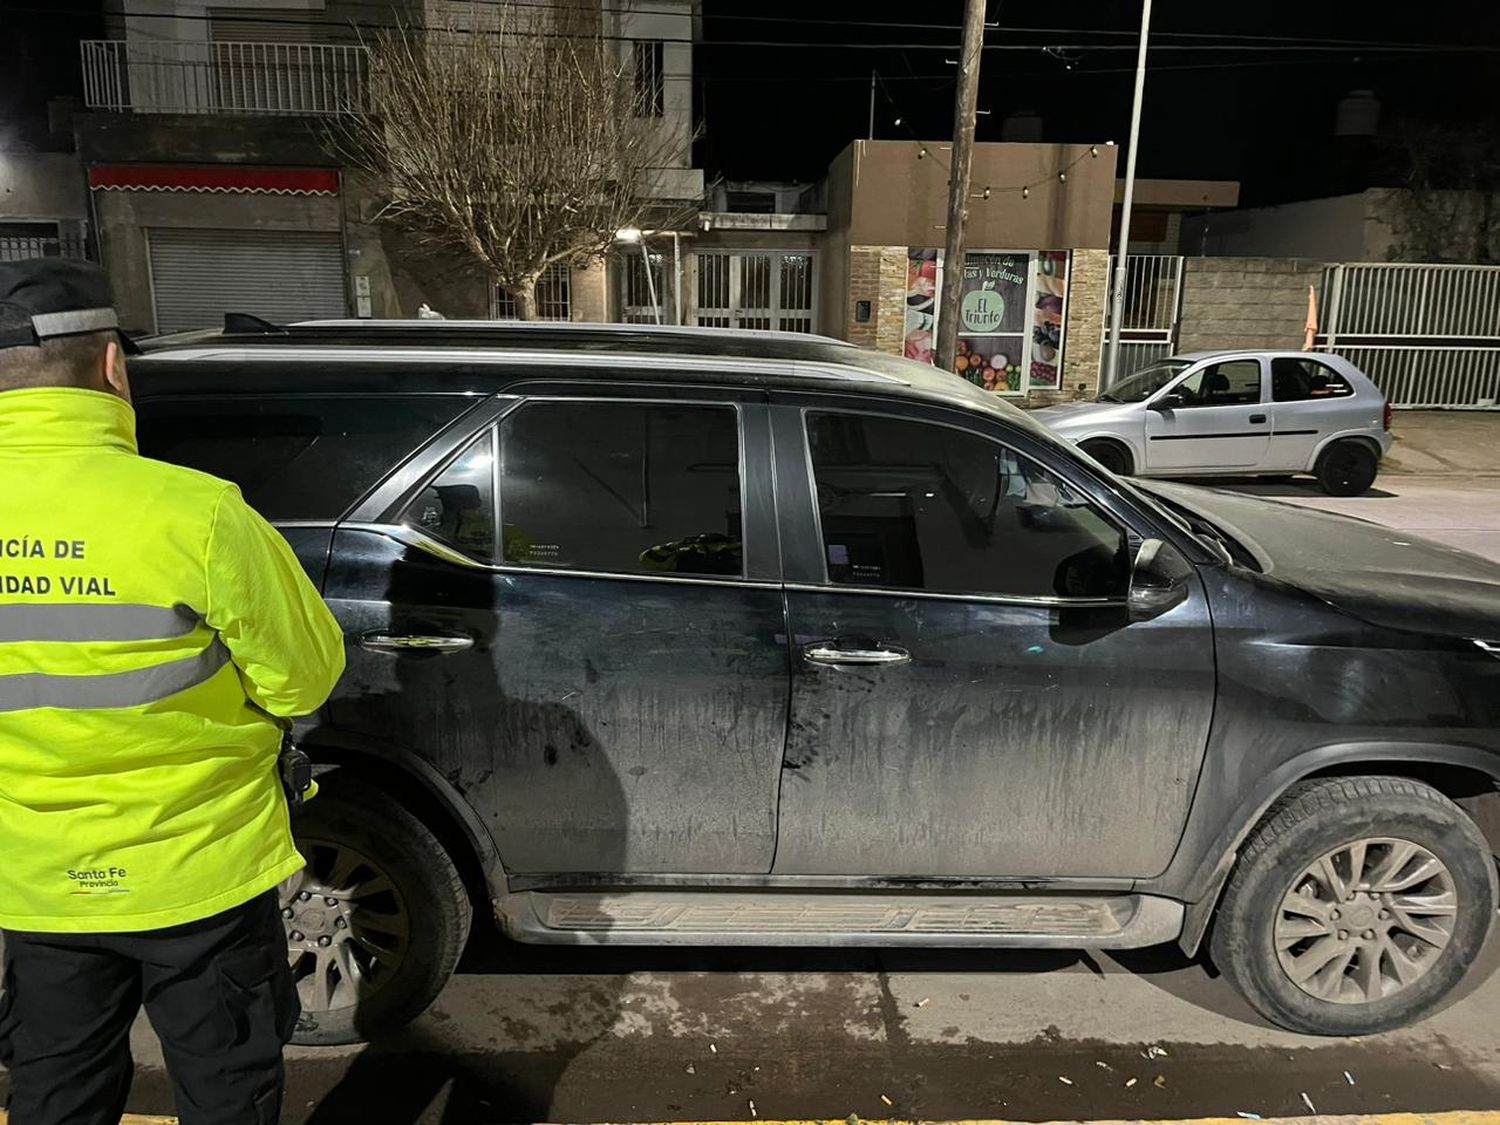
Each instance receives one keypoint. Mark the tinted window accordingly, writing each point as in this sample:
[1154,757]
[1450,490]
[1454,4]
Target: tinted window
[913,506]
[1295,379]
[294,457]
[458,505]
[629,488]
[1233,383]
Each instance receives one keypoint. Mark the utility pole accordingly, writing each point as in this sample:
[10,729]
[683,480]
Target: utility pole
[871,133]
[964,108]
[1117,298]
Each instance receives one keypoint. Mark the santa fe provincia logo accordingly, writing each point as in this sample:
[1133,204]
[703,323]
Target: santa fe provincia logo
[98,880]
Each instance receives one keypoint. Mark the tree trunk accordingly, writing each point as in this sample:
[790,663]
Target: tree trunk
[525,295]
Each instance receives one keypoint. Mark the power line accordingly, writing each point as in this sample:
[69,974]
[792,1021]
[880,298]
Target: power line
[1254,44]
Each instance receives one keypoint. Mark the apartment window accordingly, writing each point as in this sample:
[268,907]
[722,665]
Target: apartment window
[650,87]
[553,298]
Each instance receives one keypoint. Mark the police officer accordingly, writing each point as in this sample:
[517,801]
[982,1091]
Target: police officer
[155,637]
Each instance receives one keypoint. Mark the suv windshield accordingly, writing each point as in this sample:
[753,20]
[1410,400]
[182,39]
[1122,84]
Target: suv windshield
[1145,382]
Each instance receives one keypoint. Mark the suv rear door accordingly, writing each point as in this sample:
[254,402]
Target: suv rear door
[970,696]
[574,613]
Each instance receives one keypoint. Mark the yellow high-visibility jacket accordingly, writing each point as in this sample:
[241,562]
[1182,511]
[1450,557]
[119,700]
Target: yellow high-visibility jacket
[151,626]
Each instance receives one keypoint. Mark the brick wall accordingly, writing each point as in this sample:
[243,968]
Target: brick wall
[878,274]
[1088,302]
[1245,302]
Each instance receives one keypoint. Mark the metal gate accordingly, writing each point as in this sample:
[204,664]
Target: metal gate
[774,290]
[1428,335]
[1153,306]
[199,275]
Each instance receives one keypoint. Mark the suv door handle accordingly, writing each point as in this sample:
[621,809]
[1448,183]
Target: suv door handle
[414,642]
[831,654]
[1257,417]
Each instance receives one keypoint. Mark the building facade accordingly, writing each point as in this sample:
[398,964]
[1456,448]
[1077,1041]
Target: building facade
[205,149]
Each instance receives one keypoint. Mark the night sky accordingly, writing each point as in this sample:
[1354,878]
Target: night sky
[780,93]
[1262,114]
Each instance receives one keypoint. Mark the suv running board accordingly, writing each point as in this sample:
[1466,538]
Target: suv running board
[655,917]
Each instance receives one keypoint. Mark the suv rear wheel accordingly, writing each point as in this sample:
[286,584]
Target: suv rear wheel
[1347,468]
[376,921]
[1356,907]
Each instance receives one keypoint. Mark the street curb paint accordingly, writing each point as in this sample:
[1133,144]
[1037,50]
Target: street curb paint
[1461,1117]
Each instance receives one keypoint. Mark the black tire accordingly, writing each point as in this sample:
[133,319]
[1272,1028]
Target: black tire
[1311,821]
[1347,468]
[355,822]
[1111,454]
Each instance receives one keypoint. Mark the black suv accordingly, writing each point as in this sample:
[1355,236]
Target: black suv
[701,637]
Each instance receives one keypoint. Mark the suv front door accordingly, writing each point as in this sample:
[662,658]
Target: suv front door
[1219,420]
[969,695]
[578,621]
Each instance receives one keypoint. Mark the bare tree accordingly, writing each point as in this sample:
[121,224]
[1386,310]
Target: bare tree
[516,136]
[1449,206]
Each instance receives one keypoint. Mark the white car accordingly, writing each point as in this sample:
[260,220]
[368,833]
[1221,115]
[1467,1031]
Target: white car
[1257,413]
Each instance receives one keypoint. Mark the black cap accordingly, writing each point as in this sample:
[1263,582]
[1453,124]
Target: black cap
[44,298]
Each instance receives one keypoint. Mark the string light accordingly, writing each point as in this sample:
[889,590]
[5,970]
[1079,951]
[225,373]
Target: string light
[1025,193]
[1093,150]
[1062,177]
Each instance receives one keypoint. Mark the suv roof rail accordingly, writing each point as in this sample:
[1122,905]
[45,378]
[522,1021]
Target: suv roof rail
[583,327]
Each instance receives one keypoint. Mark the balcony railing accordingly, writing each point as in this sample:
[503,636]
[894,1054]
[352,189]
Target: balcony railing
[159,76]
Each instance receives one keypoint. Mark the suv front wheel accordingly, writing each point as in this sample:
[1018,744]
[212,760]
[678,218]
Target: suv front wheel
[1356,907]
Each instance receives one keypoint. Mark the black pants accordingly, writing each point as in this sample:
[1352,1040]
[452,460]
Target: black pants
[218,992]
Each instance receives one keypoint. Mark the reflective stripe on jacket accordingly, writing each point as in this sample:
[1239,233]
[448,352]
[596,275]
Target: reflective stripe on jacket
[151,626]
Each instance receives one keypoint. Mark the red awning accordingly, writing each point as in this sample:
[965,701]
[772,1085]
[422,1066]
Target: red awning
[234,178]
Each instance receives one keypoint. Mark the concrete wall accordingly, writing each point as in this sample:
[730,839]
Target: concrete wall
[42,187]
[1333,229]
[1245,302]
[403,274]
[888,195]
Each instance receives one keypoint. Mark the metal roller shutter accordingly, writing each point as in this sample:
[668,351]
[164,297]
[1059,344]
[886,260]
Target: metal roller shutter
[199,275]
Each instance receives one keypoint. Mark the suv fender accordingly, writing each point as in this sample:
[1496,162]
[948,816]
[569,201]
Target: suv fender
[460,830]
[1206,884]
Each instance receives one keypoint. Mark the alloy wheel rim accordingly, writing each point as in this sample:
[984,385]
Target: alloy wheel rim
[347,926]
[1366,920]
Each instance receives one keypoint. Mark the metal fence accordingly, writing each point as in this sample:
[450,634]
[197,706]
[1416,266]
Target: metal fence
[18,248]
[553,296]
[1153,305]
[1428,335]
[146,76]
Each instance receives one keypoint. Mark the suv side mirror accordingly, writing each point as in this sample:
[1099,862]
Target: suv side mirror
[1158,581]
[1165,402]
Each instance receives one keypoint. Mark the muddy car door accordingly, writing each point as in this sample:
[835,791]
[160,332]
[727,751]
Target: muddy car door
[970,695]
[577,620]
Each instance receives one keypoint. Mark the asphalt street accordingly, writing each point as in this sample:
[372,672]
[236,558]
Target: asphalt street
[526,1034]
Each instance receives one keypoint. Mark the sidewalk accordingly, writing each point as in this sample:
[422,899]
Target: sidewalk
[1459,443]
